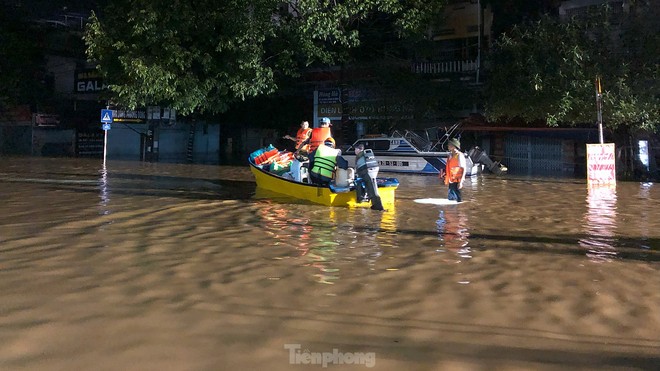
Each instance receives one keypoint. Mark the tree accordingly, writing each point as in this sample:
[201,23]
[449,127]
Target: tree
[546,70]
[202,56]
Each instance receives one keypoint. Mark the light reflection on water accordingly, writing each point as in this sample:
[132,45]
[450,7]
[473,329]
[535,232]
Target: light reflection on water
[453,231]
[104,191]
[600,223]
[179,267]
[648,215]
[329,237]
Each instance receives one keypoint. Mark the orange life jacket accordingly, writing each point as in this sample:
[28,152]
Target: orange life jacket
[302,136]
[265,156]
[454,171]
[282,158]
[319,135]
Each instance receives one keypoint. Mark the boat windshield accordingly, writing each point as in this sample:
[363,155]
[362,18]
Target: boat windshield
[376,144]
[443,135]
[421,143]
[424,140]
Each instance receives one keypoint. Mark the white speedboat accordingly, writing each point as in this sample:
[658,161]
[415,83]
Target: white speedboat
[407,152]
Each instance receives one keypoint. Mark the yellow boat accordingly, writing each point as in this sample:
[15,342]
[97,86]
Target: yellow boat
[324,195]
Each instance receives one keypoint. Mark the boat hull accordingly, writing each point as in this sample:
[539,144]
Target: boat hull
[270,182]
[408,163]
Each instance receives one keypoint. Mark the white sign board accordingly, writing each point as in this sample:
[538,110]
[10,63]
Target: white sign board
[601,164]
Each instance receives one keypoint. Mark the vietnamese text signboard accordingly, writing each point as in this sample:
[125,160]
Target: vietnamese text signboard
[601,164]
[327,103]
[88,81]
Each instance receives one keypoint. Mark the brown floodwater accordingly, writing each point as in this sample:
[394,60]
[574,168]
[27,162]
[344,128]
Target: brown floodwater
[141,266]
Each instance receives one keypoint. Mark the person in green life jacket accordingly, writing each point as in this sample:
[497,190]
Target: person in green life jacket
[325,160]
[367,171]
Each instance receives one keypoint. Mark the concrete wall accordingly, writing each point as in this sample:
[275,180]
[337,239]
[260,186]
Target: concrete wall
[53,142]
[173,142]
[62,69]
[16,139]
[124,142]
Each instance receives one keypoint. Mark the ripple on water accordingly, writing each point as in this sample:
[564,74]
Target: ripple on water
[158,262]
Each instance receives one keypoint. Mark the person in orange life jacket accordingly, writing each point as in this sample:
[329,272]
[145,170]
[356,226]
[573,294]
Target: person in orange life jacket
[367,170]
[302,135]
[455,171]
[318,136]
[326,160]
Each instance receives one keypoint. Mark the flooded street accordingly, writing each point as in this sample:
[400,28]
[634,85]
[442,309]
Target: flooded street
[144,266]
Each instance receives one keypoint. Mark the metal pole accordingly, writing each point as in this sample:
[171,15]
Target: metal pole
[105,145]
[105,134]
[478,39]
[599,106]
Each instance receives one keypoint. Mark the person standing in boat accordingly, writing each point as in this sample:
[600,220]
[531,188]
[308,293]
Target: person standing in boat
[302,135]
[367,170]
[455,170]
[318,136]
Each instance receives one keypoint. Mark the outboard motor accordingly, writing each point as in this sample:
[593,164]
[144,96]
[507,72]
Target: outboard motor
[478,156]
[367,162]
[367,170]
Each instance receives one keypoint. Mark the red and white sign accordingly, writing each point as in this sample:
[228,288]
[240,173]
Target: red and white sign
[601,164]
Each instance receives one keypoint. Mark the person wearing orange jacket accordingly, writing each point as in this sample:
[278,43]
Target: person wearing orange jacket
[455,170]
[319,136]
[302,135]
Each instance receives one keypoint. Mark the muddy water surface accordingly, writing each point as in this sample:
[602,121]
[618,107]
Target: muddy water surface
[140,266]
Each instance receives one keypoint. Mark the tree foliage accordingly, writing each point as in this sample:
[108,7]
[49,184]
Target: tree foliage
[547,69]
[204,55]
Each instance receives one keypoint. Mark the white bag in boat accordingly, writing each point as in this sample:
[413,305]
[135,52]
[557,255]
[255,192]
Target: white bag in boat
[295,170]
[343,177]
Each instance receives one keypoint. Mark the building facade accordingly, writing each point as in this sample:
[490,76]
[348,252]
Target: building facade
[69,124]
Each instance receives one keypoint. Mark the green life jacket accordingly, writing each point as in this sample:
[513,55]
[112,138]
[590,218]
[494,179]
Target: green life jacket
[325,160]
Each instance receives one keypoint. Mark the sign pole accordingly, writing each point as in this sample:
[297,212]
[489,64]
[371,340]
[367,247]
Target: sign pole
[599,106]
[105,145]
[106,121]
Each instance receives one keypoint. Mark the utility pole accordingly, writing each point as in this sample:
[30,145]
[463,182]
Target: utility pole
[599,107]
[478,39]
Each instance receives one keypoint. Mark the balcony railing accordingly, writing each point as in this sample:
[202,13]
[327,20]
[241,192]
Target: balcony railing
[444,67]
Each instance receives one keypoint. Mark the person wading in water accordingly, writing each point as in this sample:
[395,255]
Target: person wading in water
[455,171]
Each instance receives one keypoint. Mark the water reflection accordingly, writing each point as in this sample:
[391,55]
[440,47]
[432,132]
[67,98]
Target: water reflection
[388,220]
[104,191]
[600,223]
[371,233]
[385,236]
[453,232]
[275,222]
[322,252]
[195,266]
[329,238]
[313,242]
[645,194]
